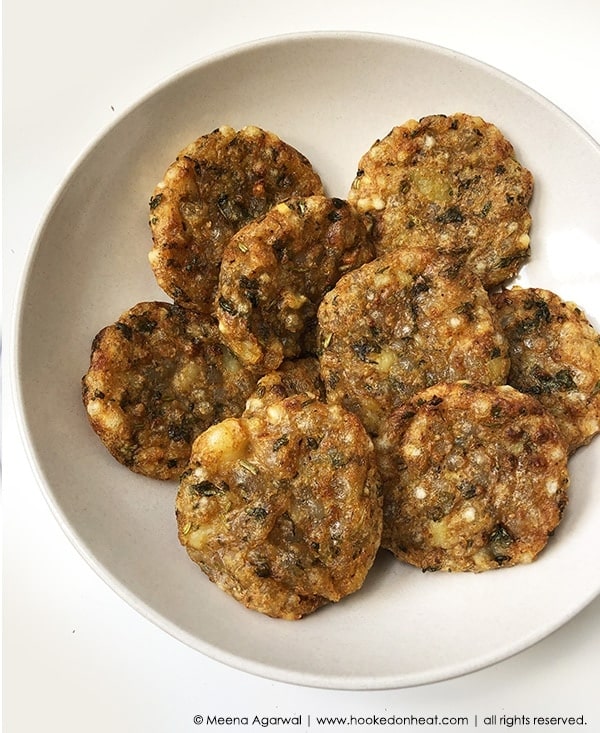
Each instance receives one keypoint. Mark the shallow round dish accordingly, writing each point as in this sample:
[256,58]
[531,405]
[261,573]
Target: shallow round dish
[329,95]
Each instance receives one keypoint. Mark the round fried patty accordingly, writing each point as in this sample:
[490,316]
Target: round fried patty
[555,356]
[217,185]
[275,272]
[294,376]
[403,322]
[451,181]
[475,478]
[282,509]
[158,377]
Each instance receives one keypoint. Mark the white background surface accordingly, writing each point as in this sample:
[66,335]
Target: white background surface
[76,657]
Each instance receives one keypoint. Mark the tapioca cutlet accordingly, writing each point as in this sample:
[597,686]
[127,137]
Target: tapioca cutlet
[157,378]
[451,181]
[216,185]
[474,477]
[282,508]
[555,356]
[275,271]
[401,323]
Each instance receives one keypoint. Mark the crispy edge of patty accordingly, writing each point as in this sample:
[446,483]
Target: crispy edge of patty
[451,179]
[216,185]
[475,478]
[282,509]
[555,356]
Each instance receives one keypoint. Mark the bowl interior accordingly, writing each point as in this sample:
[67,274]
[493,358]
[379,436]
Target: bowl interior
[331,96]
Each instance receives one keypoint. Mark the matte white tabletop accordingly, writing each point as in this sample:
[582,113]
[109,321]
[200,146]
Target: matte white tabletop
[76,657]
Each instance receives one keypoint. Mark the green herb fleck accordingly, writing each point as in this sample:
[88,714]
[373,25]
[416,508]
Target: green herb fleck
[280,442]
[500,536]
[125,329]
[546,383]
[452,215]
[262,569]
[227,306]
[338,460]
[207,488]
[363,347]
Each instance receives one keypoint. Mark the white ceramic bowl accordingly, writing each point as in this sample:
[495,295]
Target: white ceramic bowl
[330,95]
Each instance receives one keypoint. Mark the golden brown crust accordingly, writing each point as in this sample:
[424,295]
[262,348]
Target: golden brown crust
[475,478]
[217,185]
[555,356]
[275,271]
[158,377]
[294,376]
[401,323]
[450,181]
[282,509]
